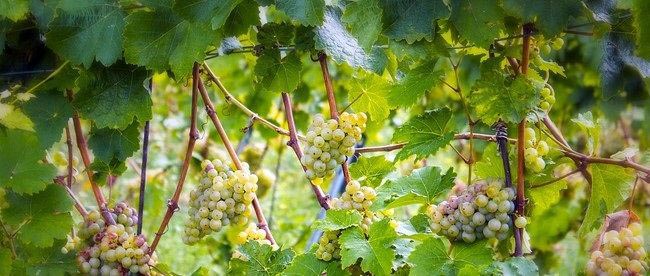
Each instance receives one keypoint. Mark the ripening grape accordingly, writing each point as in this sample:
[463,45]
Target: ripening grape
[330,142]
[250,233]
[475,212]
[222,197]
[328,246]
[621,253]
[535,150]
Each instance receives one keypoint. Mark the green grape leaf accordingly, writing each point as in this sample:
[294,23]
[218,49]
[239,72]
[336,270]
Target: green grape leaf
[516,266]
[641,9]
[278,74]
[203,11]
[263,260]
[363,19]
[333,38]
[306,12]
[5,261]
[569,257]
[370,94]
[491,165]
[545,235]
[611,185]
[305,264]
[478,21]
[591,127]
[50,112]
[499,96]
[114,145]
[374,169]
[412,87]
[549,16]
[161,40]
[48,209]
[420,222]
[412,20]
[545,196]
[83,31]
[14,9]
[115,96]
[337,220]
[275,34]
[46,261]
[245,15]
[425,134]
[20,166]
[421,187]
[431,257]
[14,118]
[375,252]
[419,50]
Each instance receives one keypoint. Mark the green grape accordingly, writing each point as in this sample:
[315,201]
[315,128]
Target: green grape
[557,43]
[520,222]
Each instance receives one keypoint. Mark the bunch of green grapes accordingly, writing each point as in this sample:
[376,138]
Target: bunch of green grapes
[250,233]
[330,142]
[222,197]
[328,246]
[548,99]
[621,253]
[479,211]
[535,150]
[94,224]
[357,197]
[113,251]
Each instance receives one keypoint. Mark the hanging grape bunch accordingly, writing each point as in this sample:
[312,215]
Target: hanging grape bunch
[621,253]
[223,196]
[357,197]
[113,249]
[330,142]
[475,212]
[251,233]
[328,246]
[535,150]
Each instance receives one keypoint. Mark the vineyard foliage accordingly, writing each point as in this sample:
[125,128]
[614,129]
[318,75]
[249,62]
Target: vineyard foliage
[492,137]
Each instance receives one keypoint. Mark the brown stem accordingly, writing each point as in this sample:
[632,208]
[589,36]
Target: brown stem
[520,200]
[172,204]
[68,142]
[331,99]
[77,203]
[143,176]
[515,65]
[295,145]
[525,58]
[460,136]
[85,157]
[631,200]
[209,107]
[578,158]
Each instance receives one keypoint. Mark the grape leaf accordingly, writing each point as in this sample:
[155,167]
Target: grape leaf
[431,257]
[491,165]
[420,222]
[278,74]
[14,118]
[564,214]
[50,112]
[275,34]
[611,185]
[413,86]
[14,9]
[20,166]
[306,12]
[549,16]
[114,145]
[516,266]
[161,40]
[375,252]
[372,168]
[48,209]
[202,11]
[363,19]
[263,260]
[306,264]
[338,43]
[425,134]
[421,187]
[245,15]
[478,21]
[544,197]
[337,220]
[499,96]
[412,20]
[114,96]
[83,31]
[5,261]
[591,127]
[45,261]
[370,94]
[641,9]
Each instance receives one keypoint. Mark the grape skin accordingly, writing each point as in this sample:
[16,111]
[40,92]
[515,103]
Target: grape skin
[621,253]
[475,212]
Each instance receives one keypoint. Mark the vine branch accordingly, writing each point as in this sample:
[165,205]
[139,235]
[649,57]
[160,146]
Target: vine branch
[295,145]
[68,143]
[172,204]
[143,176]
[209,107]
[460,136]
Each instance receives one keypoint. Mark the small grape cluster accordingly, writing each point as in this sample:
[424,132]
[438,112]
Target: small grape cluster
[251,233]
[328,246]
[472,213]
[535,150]
[222,197]
[113,249]
[357,197]
[548,99]
[330,142]
[621,253]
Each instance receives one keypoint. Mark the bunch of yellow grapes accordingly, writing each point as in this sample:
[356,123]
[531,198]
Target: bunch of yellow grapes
[621,253]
